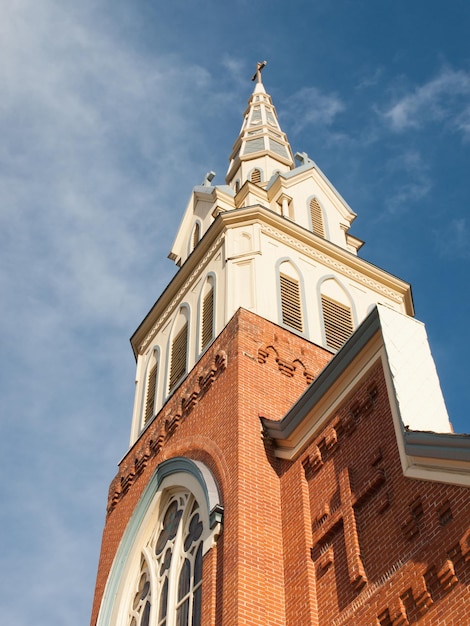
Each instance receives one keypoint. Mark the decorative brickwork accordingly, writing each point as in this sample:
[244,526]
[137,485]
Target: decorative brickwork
[165,426]
[335,536]
[380,543]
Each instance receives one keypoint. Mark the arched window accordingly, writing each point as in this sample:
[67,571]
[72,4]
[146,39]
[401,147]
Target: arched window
[207,313]
[150,393]
[337,314]
[255,176]
[196,235]
[316,215]
[156,576]
[291,300]
[167,591]
[179,349]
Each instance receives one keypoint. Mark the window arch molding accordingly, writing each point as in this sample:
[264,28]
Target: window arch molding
[297,274]
[182,318]
[336,290]
[210,283]
[322,213]
[176,473]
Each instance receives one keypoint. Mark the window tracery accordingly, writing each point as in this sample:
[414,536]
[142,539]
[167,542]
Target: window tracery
[168,589]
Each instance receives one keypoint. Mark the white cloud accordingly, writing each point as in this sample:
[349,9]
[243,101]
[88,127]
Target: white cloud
[310,107]
[86,124]
[445,98]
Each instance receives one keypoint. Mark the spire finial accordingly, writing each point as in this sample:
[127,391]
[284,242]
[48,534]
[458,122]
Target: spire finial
[259,68]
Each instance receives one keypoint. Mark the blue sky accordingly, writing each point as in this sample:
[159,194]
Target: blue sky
[110,112]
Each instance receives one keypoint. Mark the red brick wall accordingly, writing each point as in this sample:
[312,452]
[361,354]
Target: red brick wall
[253,368]
[384,547]
[283,557]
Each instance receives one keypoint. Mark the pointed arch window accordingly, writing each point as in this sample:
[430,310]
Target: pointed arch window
[337,320]
[207,314]
[316,215]
[168,588]
[256,176]
[179,353]
[196,235]
[291,300]
[151,393]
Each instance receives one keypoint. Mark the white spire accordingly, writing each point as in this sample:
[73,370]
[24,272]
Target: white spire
[261,144]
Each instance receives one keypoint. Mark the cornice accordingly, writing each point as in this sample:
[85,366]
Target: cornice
[282,229]
[325,252]
[168,303]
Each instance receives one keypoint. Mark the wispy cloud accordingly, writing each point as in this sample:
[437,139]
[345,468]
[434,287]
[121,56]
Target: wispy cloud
[453,240]
[86,124]
[370,79]
[310,107]
[445,98]
[409,181]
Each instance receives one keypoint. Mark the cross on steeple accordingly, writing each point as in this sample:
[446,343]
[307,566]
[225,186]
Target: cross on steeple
[259,67]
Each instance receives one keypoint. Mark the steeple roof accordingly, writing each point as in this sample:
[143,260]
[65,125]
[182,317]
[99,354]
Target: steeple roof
[261,141]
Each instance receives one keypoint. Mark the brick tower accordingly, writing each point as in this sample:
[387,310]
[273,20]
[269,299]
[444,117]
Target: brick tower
[291,460]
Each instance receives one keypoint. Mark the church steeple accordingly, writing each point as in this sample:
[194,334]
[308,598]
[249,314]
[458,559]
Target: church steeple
[261,148]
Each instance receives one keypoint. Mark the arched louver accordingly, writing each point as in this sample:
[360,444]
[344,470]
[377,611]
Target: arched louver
[337,319]
[317,218]
[291,306]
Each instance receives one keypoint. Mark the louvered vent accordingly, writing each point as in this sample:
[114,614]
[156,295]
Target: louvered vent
[338,322]
[317,218]
[150,397]
[256,176]
[207,318]
[196,235]
[178,356]
[290,303]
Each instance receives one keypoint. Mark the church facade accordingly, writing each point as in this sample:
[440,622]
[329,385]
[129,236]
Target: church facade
[291,460]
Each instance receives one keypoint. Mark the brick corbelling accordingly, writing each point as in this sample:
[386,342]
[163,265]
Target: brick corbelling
[410,534]
[217,430]
[291,354]
[163,427]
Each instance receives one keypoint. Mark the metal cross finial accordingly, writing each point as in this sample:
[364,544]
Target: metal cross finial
[259,68]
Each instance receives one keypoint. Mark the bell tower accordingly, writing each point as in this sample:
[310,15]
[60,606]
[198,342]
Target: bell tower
[274,240]
[256,369]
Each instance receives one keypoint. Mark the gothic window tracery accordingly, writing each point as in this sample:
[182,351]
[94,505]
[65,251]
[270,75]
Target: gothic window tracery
[168,587]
